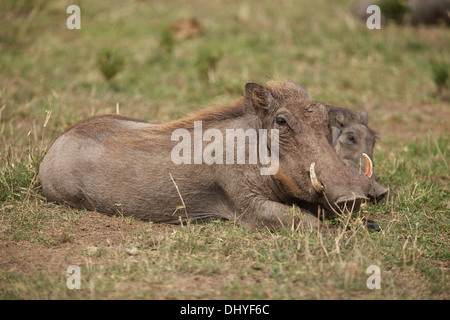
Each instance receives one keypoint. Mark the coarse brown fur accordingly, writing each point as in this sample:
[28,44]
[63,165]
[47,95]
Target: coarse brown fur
[119,165]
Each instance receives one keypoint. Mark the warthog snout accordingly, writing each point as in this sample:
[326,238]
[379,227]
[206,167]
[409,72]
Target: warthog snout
[377,192]
[351,202]
[340,189]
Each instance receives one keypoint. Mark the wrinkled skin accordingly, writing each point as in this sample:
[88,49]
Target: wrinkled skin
[120,165]
[352,137]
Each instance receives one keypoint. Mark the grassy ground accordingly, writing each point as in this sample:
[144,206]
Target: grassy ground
[51,77]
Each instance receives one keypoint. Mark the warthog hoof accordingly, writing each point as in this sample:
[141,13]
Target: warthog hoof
[372,226]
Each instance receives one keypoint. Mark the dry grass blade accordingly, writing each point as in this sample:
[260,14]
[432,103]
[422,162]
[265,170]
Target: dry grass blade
[181,198]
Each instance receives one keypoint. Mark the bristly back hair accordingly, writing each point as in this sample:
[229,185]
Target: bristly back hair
[280,90]
[212,114]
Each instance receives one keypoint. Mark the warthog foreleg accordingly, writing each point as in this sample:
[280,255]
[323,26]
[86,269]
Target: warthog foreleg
[275,215]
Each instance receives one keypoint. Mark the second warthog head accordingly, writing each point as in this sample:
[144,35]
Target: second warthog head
[354,142]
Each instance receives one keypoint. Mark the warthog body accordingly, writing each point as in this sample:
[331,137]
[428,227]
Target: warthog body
[352,138]
[115,164]
[417,11]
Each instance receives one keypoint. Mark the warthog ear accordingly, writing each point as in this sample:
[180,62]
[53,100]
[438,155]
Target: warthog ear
[337,118]
[257,98]
[364,118]
[335,134]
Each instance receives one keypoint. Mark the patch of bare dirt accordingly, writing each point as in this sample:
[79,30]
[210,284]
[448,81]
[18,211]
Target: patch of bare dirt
[85,245]
[186,28]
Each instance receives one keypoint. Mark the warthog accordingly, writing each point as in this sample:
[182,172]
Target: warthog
[354,142]
[415,11]
[116,164]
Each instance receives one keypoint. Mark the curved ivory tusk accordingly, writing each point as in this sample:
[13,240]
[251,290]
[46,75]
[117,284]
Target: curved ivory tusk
[316,184]
[369,166]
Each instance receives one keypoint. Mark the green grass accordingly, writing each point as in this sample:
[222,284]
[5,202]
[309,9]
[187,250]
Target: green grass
[45,66]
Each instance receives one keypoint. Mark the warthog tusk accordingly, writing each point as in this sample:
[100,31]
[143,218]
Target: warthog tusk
[369,166]
[316,184]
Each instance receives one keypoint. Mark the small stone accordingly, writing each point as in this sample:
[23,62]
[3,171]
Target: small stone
[132,252]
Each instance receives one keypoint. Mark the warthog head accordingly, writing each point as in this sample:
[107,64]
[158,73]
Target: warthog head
[354,142]
[310,170]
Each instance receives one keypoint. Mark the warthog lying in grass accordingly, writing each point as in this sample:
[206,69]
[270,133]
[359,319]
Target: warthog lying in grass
[116,164]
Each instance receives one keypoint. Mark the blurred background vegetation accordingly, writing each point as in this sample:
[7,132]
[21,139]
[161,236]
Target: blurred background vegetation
[160,60]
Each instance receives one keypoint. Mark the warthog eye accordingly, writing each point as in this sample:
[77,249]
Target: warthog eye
[351,138]
[280,121]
